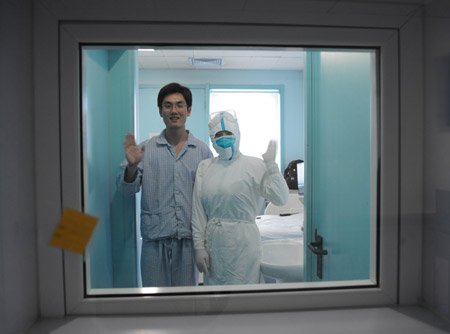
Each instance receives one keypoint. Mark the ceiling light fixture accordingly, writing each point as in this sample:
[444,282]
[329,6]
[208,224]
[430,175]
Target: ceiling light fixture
[206,62]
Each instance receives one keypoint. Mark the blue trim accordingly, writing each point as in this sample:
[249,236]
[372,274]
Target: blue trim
[222,122]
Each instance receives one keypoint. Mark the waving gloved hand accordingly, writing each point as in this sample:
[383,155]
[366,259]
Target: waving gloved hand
[271,151]
[202,260]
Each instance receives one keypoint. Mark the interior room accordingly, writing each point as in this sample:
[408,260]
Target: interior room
[360,94]
[266,88]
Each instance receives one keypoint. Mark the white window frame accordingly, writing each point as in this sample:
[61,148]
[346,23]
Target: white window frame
[67,155]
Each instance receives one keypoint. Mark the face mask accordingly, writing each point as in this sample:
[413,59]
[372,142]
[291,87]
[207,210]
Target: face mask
[224,146]
[225,141]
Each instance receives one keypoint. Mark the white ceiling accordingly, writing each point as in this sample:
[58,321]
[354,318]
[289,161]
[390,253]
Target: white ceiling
[242,59]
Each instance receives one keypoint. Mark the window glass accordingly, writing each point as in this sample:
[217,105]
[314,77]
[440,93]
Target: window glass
[324,115]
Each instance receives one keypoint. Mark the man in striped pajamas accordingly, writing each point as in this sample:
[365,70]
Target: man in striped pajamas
[164,167]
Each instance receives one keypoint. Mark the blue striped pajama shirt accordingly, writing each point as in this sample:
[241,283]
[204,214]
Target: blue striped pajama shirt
[167,182]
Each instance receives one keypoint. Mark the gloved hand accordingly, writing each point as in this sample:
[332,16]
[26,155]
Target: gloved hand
[271,151]
[202,260]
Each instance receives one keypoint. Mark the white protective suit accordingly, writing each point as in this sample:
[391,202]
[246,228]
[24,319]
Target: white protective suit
[229,192]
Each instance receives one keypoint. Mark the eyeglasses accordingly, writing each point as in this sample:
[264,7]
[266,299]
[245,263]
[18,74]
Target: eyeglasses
[167,106]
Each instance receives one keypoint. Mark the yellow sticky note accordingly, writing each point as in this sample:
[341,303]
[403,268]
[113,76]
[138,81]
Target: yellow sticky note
[73,231]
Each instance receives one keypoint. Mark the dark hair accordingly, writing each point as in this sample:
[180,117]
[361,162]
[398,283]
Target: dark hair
[174,88]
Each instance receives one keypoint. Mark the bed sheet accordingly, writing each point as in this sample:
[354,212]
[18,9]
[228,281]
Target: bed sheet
[275,227]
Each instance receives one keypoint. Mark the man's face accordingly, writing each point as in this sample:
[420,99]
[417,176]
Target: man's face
[174,111]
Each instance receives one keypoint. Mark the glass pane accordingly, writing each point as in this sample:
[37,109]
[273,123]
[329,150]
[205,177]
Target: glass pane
[324,116]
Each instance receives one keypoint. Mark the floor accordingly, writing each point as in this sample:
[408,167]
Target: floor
[385,320]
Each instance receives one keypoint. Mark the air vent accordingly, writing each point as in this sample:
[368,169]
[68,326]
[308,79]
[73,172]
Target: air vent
[206,62]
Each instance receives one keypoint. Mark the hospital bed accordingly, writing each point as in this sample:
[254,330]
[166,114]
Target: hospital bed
[282,222]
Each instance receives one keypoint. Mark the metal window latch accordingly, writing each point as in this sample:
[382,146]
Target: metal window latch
[317,248]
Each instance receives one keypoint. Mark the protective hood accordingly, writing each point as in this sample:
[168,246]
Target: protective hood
[228,146]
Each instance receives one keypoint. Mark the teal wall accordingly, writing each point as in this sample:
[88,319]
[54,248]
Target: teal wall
[97,185]
[292,122]
[108,110]
[122,85]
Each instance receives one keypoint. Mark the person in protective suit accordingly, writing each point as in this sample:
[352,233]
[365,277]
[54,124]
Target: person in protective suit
[229,191]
